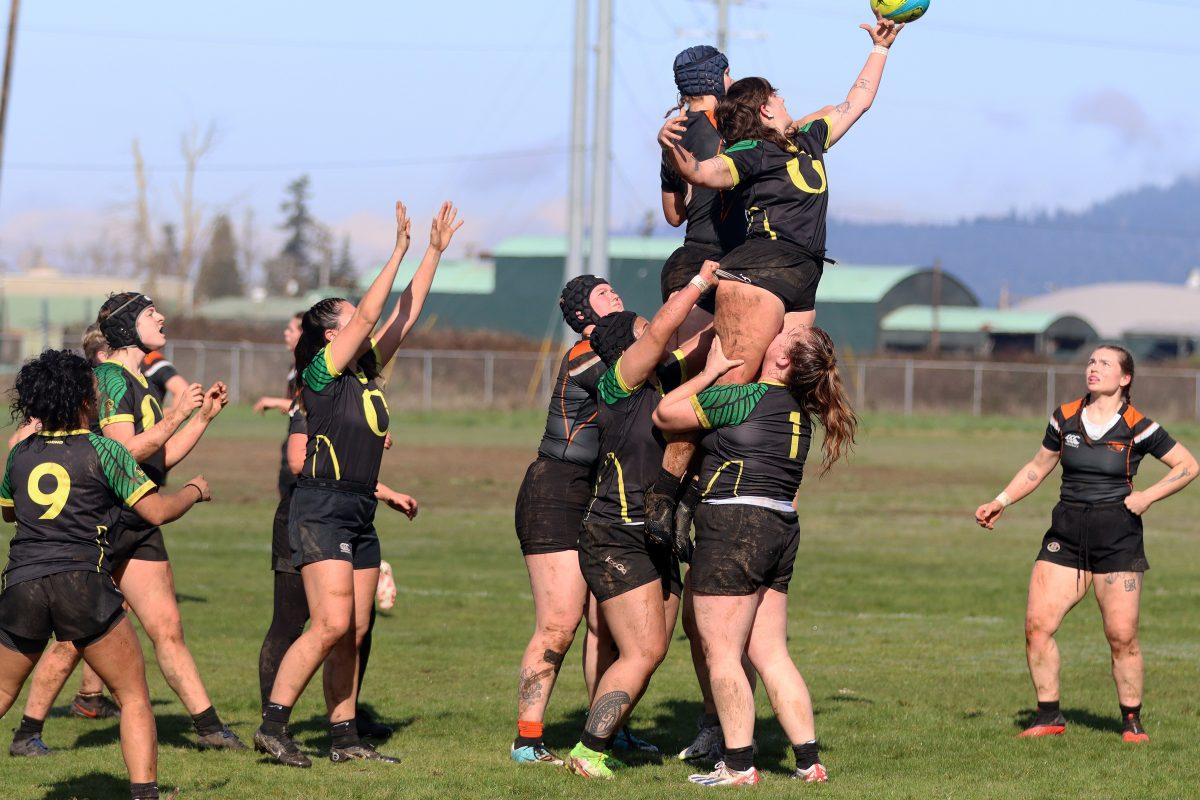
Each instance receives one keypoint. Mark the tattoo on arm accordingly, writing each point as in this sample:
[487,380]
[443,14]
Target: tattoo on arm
[1031,476]
[863,84]
[1179,477]
[607,713]
[844,108]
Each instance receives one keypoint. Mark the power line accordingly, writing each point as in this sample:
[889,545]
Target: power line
[304,166]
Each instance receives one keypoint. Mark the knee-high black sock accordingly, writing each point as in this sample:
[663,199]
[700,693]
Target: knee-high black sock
[287,623]
[364,651]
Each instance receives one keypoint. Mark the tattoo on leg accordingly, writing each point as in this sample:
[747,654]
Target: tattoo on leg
[1131,584]
[1110,578]
[554,659]
[607,713]
[529,690]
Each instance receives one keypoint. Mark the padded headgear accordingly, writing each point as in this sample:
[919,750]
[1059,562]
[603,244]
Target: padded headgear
[613,335]
[575,301]
[120,326]
[700,71]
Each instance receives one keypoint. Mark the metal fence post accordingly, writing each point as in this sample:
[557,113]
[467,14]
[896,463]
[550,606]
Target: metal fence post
[908,388]
[1050,391]
[235,374]
[489,378]
[1197,395]
[977,392]
[200,353]
[860,387]
[427,381]
[547,375]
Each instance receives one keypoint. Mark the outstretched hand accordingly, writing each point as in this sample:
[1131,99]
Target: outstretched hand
[884,31]
[403,227]
[444,227]
[717,364]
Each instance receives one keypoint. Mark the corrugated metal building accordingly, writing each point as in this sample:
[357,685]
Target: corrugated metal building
[985,331]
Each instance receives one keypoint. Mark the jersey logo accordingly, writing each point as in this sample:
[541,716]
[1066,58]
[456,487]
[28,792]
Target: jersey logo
[1117,447]
[1054,547]
[1072,440]
[617,565]
[345,548]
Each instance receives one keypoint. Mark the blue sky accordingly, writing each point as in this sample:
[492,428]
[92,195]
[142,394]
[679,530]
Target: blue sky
[1058,106]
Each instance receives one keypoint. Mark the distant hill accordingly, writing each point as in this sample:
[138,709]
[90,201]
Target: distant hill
[1147,234]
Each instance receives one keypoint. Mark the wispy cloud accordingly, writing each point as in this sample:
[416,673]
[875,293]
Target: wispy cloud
[1118,112]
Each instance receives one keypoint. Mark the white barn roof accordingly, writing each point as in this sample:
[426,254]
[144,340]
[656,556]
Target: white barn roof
[1129,307]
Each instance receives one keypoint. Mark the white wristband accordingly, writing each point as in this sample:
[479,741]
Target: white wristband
[1004,500]
[879,50]
[700,284]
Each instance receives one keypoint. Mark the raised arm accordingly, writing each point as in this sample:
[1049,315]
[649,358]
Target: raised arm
[676,412]
[640,359]
[354,339]
[184,440]
[1183,471]
[842,117]
[150,441]
[712,173]
[412,300]
[1027,479]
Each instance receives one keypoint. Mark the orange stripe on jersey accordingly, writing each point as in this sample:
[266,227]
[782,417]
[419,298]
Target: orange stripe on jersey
[579,349]
[1070,409]
[1132,416]
[712,117]
[152,357]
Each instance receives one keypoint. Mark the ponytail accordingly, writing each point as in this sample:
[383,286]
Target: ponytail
[815,383]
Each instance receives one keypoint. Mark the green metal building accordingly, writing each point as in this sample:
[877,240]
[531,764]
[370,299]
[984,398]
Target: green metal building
[986,331]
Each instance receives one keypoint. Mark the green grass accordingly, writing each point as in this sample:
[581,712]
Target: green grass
[906,621]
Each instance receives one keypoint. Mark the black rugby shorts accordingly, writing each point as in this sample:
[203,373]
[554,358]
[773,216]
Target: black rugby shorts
[789,272]
[77,606]
[1095,537]
[333,520]
[741,548]
[551,503]
[683,265]
[616,559]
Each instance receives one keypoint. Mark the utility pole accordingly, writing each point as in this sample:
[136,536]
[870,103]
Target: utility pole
[722,24]
[935,334]
[601,138]
[575,187]
[13,9]
[723,31]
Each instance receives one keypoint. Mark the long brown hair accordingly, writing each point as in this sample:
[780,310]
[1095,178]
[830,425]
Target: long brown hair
[815,383]
[737,112]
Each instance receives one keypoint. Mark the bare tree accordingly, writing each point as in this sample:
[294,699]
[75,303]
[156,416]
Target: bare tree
[142,244]
[194,146]
[249,247]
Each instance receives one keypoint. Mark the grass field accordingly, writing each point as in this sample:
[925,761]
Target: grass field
[906,620]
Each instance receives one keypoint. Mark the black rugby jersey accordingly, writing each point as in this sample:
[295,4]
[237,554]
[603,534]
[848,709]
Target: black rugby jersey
[158,372]
[785,192]
[571,433]
[347,419]
[297,424]
[757,442]
[631,448]
[1101,470]
[715,218]
[126,396]
[67,489]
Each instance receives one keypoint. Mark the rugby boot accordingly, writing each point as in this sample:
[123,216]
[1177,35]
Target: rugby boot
[1054,724]
[29,747]
[1132,730]
[625,740]
[359,752]
[94,706]
[706,746]
[534,754]
[724,776]
[587,763]
[370,728]
[282,748]
[814,774]
[223,739]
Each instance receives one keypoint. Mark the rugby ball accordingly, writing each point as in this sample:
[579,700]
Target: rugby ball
[900,10]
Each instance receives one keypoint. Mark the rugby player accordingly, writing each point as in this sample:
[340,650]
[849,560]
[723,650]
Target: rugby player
[778,164]
[1095,539]
[551,502]
[331,519]
[66,488]
[130,412]
[635,580]
[756,439]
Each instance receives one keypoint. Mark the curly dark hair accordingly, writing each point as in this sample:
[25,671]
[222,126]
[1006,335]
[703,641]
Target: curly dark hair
[323,316]
[57,388]
[737,112]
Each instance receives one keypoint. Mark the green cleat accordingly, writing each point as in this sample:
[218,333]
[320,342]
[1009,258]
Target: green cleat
[587,763]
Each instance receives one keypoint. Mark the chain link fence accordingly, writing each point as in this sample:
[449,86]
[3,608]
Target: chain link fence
[456,379]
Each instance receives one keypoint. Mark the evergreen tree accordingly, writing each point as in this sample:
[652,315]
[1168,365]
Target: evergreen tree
[345,273]
[165,259]
[295,262]
[219,273]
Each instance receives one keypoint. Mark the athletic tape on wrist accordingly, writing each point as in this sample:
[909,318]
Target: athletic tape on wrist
[880,50]
[1004,500]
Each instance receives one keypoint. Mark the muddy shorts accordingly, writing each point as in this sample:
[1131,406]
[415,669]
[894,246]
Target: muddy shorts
[616,559]
[281,543]
[741,548]
[1095,537]
[683,265]
[333,520]
[789,272]
[77,606]
[136,538]
[551,503]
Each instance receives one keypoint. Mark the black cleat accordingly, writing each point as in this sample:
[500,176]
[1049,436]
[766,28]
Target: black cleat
[30,747]
[1132,730]
[359,752]
[282,748]
[223,739]
[94,706]
[370,728]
